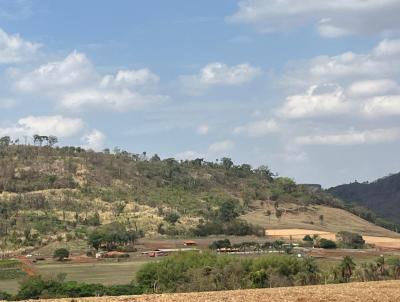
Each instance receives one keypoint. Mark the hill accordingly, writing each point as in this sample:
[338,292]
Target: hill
[386,291]
[382,196]
[52,194]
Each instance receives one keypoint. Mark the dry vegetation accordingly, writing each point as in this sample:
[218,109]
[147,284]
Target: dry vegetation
[334,220]
[388,291]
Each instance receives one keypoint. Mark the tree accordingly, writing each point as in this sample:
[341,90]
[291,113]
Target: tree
[346,267]
[327,244]
[278,213]
[5,141]
[394,264]
[172,217]
[227,211]
[350,240]
[227,163]
[52,140]
[61,254]
[268,214]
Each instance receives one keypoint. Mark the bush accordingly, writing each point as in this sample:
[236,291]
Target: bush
[350,240]
[61,254]
[219,244]
[327,244]
[172,218]
[307,238]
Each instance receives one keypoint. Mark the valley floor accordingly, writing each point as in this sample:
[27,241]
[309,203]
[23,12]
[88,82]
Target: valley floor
[388,291]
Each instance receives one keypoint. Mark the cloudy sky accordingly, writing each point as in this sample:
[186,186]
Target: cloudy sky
[310,88]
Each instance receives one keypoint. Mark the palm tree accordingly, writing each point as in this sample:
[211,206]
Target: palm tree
[346,267]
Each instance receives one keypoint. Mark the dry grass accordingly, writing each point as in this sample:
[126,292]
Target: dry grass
[335,220]
[298,234]
[354,292]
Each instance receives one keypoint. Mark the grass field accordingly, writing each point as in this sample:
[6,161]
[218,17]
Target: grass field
[334,220]
[100,272]
[388,291]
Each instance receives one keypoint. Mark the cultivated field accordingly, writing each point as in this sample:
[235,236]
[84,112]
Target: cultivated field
[354,292]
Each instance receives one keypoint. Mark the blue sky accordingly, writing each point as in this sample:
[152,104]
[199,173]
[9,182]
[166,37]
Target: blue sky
[309,88]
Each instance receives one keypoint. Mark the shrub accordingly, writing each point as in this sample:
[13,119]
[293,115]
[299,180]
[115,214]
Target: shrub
[350,240]
[307,238]
[225,243]
[172,217]
[61,254]
[327,244]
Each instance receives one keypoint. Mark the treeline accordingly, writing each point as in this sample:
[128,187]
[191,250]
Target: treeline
[193,272]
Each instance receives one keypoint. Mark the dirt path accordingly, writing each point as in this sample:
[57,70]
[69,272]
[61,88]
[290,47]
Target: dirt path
[27,266]
[354,292]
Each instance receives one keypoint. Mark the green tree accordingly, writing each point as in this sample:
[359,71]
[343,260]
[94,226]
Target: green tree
[346,267]
[228,211]
[60,254]
[172,217]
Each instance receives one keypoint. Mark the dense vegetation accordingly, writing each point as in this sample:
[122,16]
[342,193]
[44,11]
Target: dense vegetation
[193,272]
[50,193]
[382,196]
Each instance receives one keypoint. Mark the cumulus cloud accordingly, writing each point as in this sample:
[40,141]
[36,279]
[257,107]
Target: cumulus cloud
[75,84]
[14,49]
[383,62]
[352,137]
[44,125]
[382,106]
[258,128]
[319,100]
[373,87]
[218,74]
[331,18]
[94,140]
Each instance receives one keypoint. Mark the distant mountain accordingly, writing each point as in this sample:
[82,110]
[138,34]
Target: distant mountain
[382,196]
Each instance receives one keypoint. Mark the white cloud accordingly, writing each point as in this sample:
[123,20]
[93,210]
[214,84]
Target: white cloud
[94,140]
[119,100]
[14,49]
[258,128]
[383,62]
[203,129]
[332,18]
[388,47]
[375,136]
[382,106]
[221,147]
[75,84]
[373,87]
[320,100]
[44,125]
[130,78]
[219,74]
[74,71]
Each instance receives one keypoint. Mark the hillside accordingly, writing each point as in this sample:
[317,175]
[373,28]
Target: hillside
[382,196]
[50,194]
[386,291]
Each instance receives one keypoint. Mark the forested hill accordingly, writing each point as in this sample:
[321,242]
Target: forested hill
[48,192]
[382,196]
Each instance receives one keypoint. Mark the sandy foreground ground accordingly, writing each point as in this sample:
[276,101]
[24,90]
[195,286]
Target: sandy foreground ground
[299,234]
[353,292]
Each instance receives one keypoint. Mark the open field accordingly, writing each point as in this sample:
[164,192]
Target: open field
[298,234]
[106,273]
[388,291]
[335,220]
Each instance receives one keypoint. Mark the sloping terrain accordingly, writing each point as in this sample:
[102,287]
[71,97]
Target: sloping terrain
[333,220]
[388,291]
[382,196]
